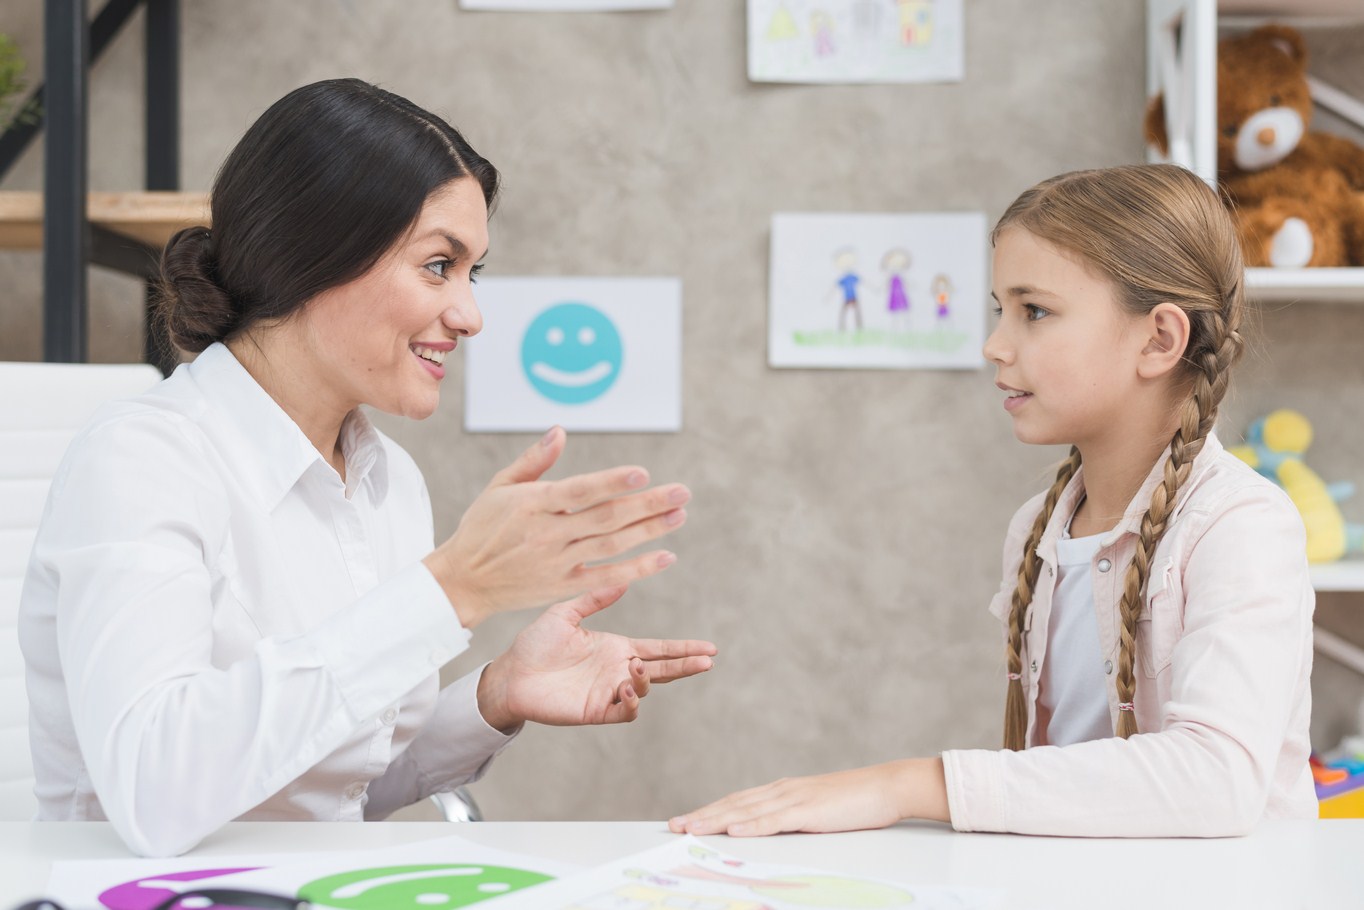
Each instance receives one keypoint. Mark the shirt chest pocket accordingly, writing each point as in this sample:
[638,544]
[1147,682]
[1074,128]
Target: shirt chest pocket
[1161,621]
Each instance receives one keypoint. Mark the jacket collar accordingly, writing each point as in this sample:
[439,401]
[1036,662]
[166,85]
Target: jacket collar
[1136,509]
[268,450]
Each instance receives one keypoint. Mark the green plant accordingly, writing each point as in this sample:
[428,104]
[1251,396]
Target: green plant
[12,85]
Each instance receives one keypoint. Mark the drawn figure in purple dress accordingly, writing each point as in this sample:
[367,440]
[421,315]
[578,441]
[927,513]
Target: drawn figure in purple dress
[894,263]
[822,24]
[942,296]
[848,280]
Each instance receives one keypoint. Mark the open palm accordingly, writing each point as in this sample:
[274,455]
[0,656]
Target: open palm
[562,674]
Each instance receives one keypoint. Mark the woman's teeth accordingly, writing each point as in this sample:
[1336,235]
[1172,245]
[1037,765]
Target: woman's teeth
[428,354]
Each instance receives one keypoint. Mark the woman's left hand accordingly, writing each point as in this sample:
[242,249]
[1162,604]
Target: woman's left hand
[558,673]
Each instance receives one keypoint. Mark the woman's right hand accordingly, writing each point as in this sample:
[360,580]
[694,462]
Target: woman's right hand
[525,542]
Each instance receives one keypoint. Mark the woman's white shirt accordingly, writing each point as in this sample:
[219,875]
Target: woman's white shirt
[216,628]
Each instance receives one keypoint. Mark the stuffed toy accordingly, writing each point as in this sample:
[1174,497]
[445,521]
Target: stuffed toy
[1298,196]
[1275,447]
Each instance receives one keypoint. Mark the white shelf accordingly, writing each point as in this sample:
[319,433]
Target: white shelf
[1345,285]
[1345,575]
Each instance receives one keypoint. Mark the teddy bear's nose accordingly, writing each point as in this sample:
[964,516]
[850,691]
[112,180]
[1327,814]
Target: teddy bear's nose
[1266,136]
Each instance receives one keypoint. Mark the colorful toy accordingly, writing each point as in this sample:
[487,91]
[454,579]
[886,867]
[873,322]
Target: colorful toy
[1340,785]
[1298,195]
[1275,446]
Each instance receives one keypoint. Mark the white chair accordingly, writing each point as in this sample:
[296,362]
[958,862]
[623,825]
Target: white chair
[42,405]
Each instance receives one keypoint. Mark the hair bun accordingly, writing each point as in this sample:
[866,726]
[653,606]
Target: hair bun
[196,310]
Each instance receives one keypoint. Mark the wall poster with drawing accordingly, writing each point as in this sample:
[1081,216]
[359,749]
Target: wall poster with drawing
[855,40]
[898,291]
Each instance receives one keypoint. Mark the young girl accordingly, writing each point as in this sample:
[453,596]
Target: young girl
[1156,603]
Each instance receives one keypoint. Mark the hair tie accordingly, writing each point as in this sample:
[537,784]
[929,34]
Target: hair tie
[1126,706]
[1013,676]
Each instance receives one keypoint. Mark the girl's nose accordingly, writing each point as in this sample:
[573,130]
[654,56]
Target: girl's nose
[995,350]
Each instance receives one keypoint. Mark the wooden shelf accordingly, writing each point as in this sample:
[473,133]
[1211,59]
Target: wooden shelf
[1344,575]
[1345,285]
[150,217]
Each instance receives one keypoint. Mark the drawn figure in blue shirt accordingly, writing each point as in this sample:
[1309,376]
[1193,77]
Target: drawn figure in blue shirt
[894,263]
[847,282]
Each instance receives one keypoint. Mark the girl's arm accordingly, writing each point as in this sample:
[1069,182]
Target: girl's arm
[871,797]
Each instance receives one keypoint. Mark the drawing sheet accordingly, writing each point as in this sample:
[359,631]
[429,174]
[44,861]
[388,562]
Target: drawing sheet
[904,291]
[842,41]
[687,874]
[446,872]
[563,6]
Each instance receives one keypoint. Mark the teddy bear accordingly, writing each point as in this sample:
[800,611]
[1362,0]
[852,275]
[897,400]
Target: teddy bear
[1298,195]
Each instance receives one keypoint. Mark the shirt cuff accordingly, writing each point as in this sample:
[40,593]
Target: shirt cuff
[383,645]
[457,745]
[975,792]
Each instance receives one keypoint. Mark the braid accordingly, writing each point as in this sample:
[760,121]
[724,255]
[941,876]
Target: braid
[1015,711]
[1212,367]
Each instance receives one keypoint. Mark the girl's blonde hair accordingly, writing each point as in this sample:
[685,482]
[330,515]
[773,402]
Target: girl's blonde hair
[1160,235]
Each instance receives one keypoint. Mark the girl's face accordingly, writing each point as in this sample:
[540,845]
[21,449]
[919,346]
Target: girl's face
[1065,352]
[382,339]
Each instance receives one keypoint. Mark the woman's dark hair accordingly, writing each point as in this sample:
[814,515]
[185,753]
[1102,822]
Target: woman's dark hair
[314,194]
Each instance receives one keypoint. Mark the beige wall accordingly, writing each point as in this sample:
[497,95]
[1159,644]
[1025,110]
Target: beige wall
[844,535]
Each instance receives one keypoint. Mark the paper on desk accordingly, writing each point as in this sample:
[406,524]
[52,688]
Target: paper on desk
[444,872]
[687,873]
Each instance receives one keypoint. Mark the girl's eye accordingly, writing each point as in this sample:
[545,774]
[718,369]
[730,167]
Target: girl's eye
[439,267]
[1034,311]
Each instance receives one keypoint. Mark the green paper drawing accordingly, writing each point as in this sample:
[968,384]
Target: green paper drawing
[417,887]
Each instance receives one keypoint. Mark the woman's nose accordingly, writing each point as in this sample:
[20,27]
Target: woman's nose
[464,317]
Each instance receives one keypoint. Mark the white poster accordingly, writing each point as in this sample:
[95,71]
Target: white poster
[590,354]
[687,874]
[877,290]
[563,6]
[855,40]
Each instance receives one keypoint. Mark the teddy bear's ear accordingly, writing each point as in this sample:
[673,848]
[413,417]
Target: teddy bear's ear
[1155,124]
[1284,39]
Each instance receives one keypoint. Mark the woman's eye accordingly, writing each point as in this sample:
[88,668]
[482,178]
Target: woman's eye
[475,272]
[998,310]
[438,267]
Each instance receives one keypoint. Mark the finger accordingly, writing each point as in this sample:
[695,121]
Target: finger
[666,671]
[623,573]
[533,462]
[623,511]
[608,546]
[573,494]
[584,605]
[625,708]
[669,648]
[639,677]
[714,817]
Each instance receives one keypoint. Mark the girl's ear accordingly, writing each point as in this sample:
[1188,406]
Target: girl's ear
[1167,328]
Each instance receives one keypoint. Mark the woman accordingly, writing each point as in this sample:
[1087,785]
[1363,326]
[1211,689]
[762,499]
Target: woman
[234,607]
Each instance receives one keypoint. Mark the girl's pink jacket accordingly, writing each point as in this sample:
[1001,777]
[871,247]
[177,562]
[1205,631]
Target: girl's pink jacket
[1224,646]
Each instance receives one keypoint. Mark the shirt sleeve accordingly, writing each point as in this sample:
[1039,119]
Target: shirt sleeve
[175,746]
[1207,770]
[455,747]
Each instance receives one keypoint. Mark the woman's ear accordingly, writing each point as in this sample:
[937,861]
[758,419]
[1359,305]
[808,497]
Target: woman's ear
[1167,328]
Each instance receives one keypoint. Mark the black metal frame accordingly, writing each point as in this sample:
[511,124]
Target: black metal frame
[71,41]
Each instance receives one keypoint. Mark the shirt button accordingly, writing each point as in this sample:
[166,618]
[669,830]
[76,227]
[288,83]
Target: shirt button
[1108,668]
[1049,571]
[1034,666]
[1105,565]
[355,790]
[389,717]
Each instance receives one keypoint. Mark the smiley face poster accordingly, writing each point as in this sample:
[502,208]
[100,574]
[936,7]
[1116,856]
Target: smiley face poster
[589,354]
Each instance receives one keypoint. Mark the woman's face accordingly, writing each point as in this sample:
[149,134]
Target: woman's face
[383,338]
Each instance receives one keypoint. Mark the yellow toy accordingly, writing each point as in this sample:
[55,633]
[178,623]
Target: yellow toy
[1275,447]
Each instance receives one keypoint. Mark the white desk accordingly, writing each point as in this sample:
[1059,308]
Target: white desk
[1283,865]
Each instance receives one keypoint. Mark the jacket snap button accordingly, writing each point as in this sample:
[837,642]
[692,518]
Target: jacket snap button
[1108,668]
[1105,565]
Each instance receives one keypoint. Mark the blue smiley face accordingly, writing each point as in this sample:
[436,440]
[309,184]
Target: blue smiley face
[571,353]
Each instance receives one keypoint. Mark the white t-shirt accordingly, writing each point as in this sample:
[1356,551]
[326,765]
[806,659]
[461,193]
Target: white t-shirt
[1074,687]
[216,628]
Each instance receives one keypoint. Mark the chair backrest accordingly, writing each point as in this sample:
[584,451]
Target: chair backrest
[42,406]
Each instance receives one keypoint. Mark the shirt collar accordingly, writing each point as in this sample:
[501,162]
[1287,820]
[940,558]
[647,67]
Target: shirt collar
[269,450]
[1131,519]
